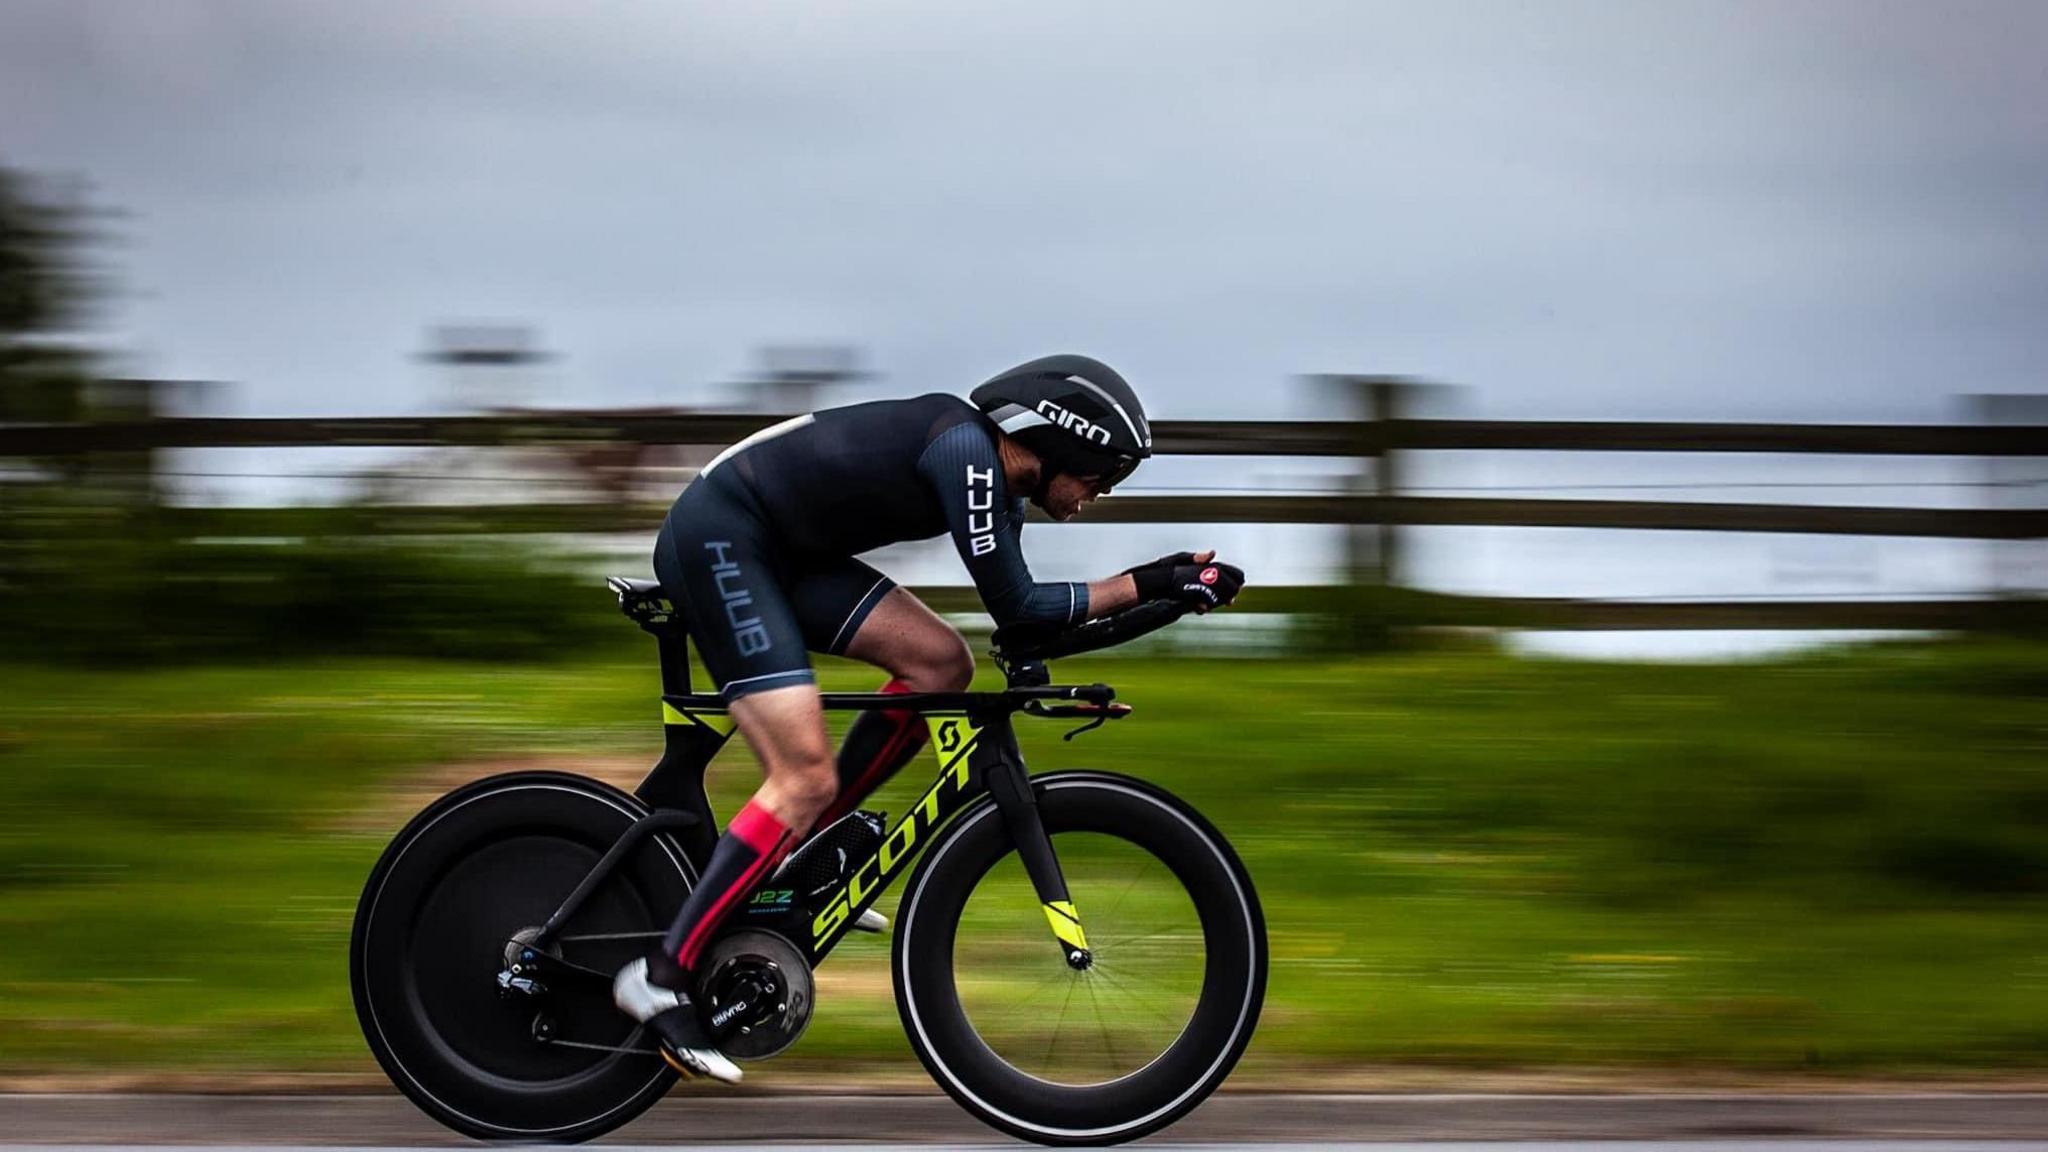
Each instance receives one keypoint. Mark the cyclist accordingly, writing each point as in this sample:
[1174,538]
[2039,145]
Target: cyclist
[759,552]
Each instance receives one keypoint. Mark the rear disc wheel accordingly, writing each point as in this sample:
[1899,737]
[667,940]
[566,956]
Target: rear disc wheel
[439,917]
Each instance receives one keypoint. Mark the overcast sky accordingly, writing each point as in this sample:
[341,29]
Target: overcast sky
[1805,210]
[1790,209]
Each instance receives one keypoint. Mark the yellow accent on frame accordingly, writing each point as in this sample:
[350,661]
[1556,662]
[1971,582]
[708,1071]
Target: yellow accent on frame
[1066,923]
[718,722]
[952,739]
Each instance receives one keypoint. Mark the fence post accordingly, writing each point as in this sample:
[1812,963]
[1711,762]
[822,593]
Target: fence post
[1373,548]
[2013,484]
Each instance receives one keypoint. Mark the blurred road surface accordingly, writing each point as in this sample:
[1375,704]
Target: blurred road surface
[1403,1146]
[697,1116]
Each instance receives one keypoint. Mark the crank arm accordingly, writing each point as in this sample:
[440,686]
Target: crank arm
[544,1032]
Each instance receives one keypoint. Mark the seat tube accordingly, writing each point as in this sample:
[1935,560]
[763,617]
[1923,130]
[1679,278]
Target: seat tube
[688,743]
[1004,775]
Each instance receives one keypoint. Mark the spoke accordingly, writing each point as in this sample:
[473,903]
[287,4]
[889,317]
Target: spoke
[1128,885]
[1175,1016]
[1109,1045]
[1139,1010]
[1060,1025]
[1125,941]
[1022,1002]
[1170,1011]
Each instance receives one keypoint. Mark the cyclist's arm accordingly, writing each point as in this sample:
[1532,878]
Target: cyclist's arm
[1111,594]
[962,467]
[1106,595]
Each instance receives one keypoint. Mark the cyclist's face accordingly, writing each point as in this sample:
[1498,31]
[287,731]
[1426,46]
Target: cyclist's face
[1067,492]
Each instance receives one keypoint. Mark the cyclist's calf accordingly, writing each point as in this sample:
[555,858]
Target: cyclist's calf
[786,729]
[799,795]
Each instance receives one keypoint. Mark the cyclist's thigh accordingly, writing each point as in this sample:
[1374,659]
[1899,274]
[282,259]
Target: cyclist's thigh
[914,643]
[712,558]
[832,597]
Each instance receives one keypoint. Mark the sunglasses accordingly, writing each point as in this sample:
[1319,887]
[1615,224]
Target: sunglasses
[1115,474]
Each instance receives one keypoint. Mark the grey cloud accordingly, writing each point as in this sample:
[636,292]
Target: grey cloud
[1610,209]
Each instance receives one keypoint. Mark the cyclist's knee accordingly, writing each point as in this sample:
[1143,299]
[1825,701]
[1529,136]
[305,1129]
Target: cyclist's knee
[945,664]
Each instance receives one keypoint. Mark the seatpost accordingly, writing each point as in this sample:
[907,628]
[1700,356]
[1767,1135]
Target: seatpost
[672,644]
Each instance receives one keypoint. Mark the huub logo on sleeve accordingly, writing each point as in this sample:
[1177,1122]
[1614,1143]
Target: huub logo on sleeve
[747,630]
[981,510]
[1078,425]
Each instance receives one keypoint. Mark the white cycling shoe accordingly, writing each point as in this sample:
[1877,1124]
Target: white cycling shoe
[673,1020]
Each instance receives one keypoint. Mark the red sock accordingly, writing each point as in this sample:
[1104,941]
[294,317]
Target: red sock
[753,844]
[877,744]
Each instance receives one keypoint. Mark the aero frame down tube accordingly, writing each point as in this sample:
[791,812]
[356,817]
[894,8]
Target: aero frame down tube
[954,738]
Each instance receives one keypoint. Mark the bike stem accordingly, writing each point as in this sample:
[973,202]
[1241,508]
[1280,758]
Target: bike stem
[1002,773]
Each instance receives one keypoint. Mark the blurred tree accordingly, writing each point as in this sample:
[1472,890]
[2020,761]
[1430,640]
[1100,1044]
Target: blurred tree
[90,569]
[48,373]
[46,289]
[44,292]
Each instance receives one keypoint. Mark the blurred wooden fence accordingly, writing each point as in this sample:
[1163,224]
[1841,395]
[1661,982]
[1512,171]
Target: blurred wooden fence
[1377,505]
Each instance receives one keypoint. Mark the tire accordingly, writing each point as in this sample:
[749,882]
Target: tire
[480,864]
[1199,870]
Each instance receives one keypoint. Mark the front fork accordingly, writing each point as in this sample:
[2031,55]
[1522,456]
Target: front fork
[1004,776]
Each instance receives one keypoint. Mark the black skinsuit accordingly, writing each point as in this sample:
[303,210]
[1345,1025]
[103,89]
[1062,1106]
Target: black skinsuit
[760,549]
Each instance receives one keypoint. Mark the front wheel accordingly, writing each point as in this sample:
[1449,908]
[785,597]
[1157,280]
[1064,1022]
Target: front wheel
[1112,1051]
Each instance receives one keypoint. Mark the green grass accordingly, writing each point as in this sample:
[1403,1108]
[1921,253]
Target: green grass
[1839,861]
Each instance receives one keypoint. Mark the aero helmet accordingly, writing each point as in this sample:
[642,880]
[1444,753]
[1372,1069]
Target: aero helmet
[1077,414]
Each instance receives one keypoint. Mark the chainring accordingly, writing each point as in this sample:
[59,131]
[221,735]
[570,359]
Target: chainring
[755,994]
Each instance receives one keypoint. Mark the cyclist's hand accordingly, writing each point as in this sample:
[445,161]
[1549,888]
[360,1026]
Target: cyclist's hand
[1172,560]
[1203,585]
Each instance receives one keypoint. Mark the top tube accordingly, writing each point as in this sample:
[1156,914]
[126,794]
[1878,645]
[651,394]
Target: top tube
[1007,700]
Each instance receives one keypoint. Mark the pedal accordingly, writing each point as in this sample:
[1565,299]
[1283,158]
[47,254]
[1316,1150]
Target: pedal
[871,921]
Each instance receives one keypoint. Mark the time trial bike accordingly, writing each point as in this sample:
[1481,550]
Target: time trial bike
[1079,956]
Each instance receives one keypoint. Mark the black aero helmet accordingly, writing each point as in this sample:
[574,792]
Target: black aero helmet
[1077,414]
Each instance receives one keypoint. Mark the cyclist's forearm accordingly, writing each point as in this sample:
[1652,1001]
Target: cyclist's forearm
[1111,594]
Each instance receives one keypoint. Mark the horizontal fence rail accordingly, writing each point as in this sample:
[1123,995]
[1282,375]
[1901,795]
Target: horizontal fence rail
[523,519]
[1561,614]
[1380,502]
[1177,437]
